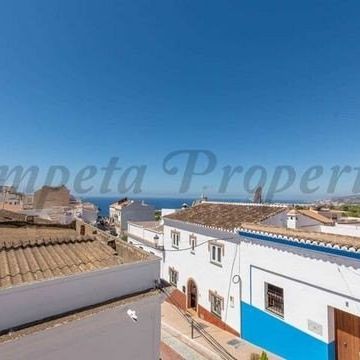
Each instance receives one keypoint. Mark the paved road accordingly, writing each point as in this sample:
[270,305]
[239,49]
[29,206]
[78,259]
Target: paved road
[167,353]
[184,350]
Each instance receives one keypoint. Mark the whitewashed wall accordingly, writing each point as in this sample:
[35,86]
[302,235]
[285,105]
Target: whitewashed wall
[342,229]
[198,267]
[313,283]
[143,238]
[165,212]
[136,211]
[30,302]
[146,234]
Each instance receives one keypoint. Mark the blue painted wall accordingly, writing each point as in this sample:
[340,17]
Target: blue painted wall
[280,338]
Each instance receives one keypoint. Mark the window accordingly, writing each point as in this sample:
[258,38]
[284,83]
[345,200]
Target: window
[175,237]
[192,241]
[274,299]
[216,252]
[173,276]
[217,303]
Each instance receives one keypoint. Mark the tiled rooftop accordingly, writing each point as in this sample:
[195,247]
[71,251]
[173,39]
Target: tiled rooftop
[19,234]
[32,258]
[319,237]
[11,216]
[225,215]
[316,216]
[149,225]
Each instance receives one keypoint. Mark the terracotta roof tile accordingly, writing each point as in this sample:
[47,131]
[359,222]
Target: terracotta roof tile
[316,216]
[23,261]
[225,215]
[156,226]
[7,216]
[320,237]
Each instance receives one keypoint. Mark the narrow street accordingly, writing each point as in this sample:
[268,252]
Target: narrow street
[174,349]
[176,333]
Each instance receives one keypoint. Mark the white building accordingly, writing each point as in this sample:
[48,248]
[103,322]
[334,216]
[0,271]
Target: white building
[300,292]
[273,284]
[311,220]
[201,257]
[126,210]
[94,302]
[86,212]
[147,235]
[10,198]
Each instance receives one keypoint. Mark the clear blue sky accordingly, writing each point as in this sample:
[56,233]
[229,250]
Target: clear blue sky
[268,83]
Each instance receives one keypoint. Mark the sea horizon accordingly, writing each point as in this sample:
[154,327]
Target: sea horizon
[159,202]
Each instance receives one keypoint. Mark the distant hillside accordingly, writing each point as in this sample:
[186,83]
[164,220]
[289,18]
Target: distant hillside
[350,199]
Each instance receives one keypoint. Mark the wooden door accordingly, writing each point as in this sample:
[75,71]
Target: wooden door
[192,295]
[347,333]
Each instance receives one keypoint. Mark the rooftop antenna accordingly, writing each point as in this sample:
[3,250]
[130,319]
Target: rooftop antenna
[258,195]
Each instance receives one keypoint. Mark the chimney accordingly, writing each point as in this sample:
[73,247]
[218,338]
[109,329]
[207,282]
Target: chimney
[292,218]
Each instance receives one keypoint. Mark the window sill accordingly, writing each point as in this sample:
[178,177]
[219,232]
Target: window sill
[272,312]
[217,315]
[216,263]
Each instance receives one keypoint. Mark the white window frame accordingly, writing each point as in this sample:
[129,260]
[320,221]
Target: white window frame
[173,276]
[175,239]
[216,254]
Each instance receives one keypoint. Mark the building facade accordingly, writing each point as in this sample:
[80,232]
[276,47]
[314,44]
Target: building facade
[126,210]
[300,293]
[291,291]
[201,257]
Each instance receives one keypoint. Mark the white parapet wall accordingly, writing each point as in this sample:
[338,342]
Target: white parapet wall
[39,300]
[342,229]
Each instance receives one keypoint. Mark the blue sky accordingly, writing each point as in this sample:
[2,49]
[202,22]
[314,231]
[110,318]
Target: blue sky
[254,82]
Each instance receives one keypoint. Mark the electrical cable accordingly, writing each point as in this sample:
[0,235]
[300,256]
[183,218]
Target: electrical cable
[202,243]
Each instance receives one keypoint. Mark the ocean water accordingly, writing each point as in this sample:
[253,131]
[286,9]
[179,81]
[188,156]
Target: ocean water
[158,203]
[103,203]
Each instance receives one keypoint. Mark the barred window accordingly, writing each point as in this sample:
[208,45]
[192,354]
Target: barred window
[173,276]
[216,303]
[274,299]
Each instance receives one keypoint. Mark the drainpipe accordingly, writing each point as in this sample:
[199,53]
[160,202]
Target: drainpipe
[240,285]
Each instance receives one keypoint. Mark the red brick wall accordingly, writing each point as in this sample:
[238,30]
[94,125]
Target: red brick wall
[213,319]
[177,297]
